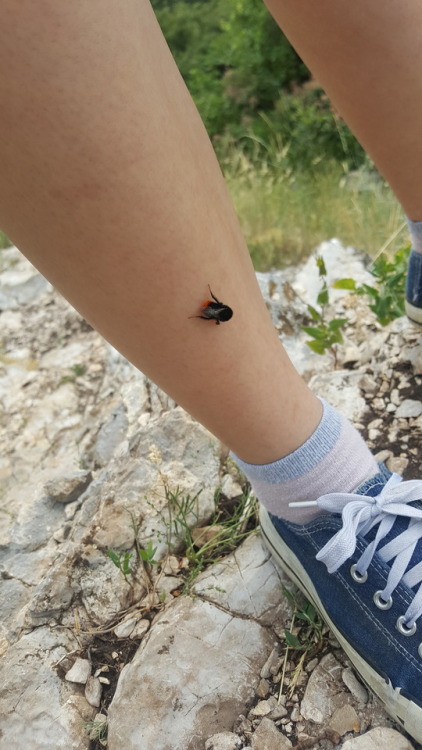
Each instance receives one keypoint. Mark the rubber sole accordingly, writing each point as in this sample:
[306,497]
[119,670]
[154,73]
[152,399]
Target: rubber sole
[413,313]
[402,710]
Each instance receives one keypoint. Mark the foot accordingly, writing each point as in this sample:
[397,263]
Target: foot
[414,288]
[363,571]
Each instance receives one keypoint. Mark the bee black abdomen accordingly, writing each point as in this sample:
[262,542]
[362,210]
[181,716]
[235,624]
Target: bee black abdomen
[225,313]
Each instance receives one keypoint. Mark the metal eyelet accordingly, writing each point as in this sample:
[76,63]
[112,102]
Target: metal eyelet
[358,577]
[402,627]
[380,602]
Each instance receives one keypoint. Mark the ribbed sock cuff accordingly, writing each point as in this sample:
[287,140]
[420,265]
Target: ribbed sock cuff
[304,458]
[333,459]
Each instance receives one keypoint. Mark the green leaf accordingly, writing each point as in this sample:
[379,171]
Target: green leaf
[370,290]
[322,298]
[114,557]
[317,346]
[316,333]
[321,265]
[315,314]
[337,323]
[126,560]
[292,640]
[345,284]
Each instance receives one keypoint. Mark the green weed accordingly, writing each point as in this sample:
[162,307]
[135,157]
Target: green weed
[228,531]
[97,730]
[121,560]
[77,370]
[387,297]
[222,535]
[147,554]
[304,637]
[325,334]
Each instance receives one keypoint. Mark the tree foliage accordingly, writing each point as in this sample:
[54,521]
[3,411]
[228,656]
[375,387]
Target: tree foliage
[238,65]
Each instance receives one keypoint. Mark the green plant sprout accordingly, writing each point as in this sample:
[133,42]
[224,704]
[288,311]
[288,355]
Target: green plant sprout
[121,560]
[147,554]
[325,334]
[387,297]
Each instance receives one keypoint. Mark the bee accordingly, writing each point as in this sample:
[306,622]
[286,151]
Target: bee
[213,309]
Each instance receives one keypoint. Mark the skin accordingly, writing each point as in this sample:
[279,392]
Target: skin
[109,185]
[367,55]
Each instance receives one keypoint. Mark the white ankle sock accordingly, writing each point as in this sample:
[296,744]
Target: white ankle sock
[334,459]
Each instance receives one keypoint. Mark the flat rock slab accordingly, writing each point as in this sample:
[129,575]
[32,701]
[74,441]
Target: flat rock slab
[191,678]
[247,582]
[38,709]
[380,738]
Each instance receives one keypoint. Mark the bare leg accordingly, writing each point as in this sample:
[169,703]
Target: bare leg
[108,183]
[368,57]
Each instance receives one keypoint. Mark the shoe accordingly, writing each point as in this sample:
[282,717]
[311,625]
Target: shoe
[360,565]
[413,301]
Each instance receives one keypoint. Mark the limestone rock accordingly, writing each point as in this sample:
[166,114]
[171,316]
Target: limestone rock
[356,688]
[93,690]
[21,283]
[79,672]
[229,487]
[397,464]
[267,737]
[110,436]
[190,678]
[223,741]
[345,719]
[409,408]
[140,629]
[68,489]
[247,582]
[323,692]
[38,709]
[380,737]
[341,389]
[125,629]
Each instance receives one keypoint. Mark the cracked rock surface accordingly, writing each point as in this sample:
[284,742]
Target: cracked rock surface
[95,461]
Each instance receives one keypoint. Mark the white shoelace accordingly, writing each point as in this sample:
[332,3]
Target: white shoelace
[359,514]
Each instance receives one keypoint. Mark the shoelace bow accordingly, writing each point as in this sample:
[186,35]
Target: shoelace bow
[360,513]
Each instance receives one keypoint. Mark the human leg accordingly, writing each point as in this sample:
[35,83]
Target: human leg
[368,57]
[361,565]
[110,186]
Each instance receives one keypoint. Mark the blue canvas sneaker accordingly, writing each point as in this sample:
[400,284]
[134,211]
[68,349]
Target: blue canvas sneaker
[360,564]
[413,301]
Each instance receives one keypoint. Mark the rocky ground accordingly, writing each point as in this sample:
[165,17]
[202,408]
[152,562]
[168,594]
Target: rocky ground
[122,624]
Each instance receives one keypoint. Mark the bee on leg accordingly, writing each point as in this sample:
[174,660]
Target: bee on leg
[213,309]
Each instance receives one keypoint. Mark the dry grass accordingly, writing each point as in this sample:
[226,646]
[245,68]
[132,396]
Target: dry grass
[284,215]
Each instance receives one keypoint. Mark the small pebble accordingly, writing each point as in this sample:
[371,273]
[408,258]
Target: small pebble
[263,688]
[80,671]
[93,690]
[356,688]
[140,629]
[223,741]
[261,709]
[125,628]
